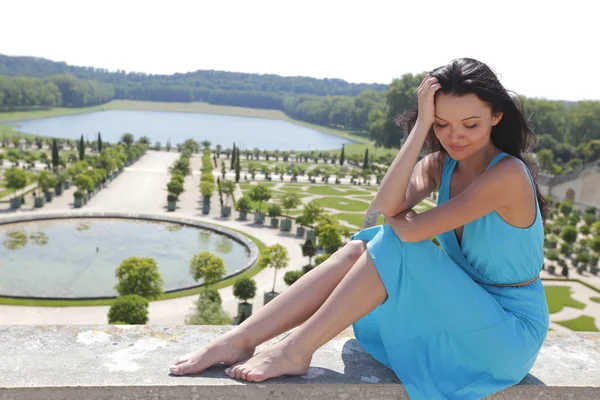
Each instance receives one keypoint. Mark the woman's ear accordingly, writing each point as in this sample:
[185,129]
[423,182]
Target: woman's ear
[496,118]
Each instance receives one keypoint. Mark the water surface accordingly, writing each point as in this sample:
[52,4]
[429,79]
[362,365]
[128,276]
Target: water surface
[246,132]
[78,257]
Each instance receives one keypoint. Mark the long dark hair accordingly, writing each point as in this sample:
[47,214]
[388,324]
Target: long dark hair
[512,134]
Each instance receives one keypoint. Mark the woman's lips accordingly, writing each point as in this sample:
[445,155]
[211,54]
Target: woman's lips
[457,148]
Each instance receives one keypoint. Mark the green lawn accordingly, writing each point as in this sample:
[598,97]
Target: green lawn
[333,190]
[581,324]
[342,204]
[365,198]
[559,297]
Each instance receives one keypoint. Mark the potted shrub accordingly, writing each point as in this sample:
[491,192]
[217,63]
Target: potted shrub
[259,193]
[290,200]
[51,184]
[276,257]
[551,241]
[171,202]
[309,249]
[243,205]
[274,212]
[78,196]
[207,189]
[244,289]
[227,187]
[553,257]
[16,179]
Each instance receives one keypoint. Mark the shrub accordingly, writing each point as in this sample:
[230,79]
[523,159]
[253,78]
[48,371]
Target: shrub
[129,309]
[274,210]
[321,258]
[172,197]
[566,206]
[569,234]
[292,276]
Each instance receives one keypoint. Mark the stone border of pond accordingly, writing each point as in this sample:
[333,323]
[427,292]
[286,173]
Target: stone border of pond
[238,237]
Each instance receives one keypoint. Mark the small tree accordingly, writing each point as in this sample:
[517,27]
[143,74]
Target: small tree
[260,193]
[290,200]
[207,266]
[342,156]
[16,179]
[207,189]
[243,205]
[100,145]
[276,257]
[244,289]
[237,165]
[309,249]
[227,187]
[127,139]
[208,311]
[55,157]
[137,275]
[81,149]
[130,309]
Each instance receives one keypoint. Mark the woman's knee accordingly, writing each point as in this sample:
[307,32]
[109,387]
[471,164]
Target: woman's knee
[354,249]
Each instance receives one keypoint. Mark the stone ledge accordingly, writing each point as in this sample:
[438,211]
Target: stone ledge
[104,361]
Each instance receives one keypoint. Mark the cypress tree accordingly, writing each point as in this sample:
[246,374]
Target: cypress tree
[342,156]
[366,159]
[237,165]
[81,149]
[55,159]
[99,143]
[233,157]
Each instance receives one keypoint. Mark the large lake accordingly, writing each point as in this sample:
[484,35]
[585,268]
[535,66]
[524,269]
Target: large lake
[265,134]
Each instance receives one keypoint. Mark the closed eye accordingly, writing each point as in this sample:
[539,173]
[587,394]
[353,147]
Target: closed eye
[470,126]
[441,125]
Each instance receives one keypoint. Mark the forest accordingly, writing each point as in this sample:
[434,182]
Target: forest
[568,132]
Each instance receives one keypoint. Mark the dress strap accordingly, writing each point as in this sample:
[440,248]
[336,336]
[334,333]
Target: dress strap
[497,158]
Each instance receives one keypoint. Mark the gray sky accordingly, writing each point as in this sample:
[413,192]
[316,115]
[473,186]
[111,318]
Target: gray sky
[540,48]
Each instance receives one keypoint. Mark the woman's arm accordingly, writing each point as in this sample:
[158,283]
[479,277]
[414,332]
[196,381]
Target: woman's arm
[423,180]
[486,194]
[404,182]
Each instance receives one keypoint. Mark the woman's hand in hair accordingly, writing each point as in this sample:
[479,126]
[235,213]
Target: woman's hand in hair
[425,95]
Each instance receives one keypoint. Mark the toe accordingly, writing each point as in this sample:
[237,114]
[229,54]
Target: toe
[244,374]
[183,359]
[238,372]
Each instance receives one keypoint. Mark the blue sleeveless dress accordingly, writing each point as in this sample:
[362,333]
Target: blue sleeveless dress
[445,329]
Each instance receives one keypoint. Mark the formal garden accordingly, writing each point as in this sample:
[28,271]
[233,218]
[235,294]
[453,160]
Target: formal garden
[317,197]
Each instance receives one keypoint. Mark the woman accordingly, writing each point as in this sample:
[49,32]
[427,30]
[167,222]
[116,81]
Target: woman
[461,323]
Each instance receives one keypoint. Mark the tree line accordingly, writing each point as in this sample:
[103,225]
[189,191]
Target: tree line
[26,93]
[569,130]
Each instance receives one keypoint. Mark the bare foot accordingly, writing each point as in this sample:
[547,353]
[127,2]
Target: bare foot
[279,359]
[224,349]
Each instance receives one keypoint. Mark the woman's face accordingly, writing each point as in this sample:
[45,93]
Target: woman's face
[463,124]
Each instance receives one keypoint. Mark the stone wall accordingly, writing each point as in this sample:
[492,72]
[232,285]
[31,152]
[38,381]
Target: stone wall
[131,362]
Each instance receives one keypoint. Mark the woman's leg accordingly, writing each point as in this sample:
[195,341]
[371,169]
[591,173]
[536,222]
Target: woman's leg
[359,292]
[288,310]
